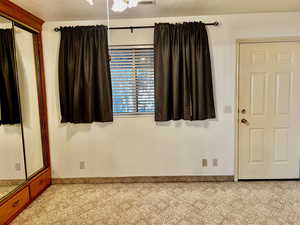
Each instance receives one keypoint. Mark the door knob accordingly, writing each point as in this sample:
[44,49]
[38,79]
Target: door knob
[244,121]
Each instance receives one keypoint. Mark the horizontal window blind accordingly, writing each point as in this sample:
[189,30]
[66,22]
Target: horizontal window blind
[132,73]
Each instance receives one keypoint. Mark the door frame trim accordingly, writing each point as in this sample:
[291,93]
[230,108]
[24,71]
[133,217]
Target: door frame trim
[236,100]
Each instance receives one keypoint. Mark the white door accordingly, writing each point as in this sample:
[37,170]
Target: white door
[269,110]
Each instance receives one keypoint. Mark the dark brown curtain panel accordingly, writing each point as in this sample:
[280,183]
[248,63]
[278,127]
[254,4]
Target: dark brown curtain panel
[183,77]
[84,75]
[9,98]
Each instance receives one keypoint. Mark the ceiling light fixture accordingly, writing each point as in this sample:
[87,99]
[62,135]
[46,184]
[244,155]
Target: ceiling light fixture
[91,2]
[122,5]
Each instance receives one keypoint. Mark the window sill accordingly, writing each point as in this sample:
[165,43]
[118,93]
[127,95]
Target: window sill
[133,115]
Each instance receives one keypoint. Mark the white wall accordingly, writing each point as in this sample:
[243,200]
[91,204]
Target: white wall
[137,146]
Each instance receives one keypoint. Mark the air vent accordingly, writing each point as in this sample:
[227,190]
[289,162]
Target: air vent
[147,2]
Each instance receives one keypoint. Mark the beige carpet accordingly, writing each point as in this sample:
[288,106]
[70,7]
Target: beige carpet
[259,203]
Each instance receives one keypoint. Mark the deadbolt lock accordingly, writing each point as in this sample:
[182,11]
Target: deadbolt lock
[243,111]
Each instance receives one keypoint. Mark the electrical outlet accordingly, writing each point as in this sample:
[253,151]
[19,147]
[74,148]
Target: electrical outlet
[18,166]
[82,165]
[204,163]
[215,162]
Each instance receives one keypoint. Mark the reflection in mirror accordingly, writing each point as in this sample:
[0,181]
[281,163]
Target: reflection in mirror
[12,166]
[27,74]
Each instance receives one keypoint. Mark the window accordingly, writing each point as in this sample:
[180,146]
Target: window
[132,72]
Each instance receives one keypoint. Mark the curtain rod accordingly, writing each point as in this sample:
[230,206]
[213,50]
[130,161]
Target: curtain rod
[141,27]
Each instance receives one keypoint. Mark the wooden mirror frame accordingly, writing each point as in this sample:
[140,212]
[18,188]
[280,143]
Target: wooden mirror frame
[15,202]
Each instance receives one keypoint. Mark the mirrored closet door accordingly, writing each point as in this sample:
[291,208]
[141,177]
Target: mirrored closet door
[28,88]
[21,150]
[25,169]
[12,163]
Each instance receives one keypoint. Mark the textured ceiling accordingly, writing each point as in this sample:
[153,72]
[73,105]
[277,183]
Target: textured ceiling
[54,10]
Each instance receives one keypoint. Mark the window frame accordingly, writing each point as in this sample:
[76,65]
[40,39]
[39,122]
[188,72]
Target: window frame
[133,114]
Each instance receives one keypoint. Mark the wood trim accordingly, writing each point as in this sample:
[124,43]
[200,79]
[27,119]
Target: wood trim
[158,179]
[17,14]
[43,111]
[13,193]
[16,214]
[21,188]
[24,185]
[236,116]
[39,183]
[12,207]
